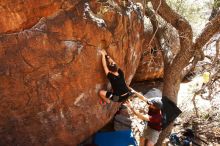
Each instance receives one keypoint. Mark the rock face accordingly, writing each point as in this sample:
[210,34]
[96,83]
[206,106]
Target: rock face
[18,15]
[151,63]
[50,74]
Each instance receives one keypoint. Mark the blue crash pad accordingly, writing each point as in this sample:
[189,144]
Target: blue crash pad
[115,138]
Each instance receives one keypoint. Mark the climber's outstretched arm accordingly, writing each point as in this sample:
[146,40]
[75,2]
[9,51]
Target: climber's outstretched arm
[103,52]
[139,95]
[138,114]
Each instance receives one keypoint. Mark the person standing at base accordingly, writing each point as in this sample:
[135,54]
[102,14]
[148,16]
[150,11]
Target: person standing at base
[154,121]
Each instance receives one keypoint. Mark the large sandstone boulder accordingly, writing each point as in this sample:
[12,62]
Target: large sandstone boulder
[17,15]
[50,74]
[151,63]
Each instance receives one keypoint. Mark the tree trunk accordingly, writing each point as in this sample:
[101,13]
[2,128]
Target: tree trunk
[174,70]
[170,89]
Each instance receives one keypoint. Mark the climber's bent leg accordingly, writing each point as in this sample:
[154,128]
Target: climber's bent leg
[105,95]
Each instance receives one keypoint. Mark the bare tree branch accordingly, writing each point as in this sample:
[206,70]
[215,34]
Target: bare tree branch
[194,103]
[217,50]
[156,31]
[212,27]
[190,67]
[215,9]
[184,30]
[154,23]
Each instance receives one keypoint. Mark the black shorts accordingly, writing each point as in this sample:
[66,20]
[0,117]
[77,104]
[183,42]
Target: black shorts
[112,96]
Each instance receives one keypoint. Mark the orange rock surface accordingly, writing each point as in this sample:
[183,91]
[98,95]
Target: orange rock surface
[51,71]
[151,63]
[17,15]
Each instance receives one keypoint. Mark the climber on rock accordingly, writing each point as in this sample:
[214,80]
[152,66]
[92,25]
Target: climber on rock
[120,91]
[154,120]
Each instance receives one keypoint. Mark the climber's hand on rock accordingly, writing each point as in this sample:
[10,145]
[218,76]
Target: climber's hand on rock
[103,52]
